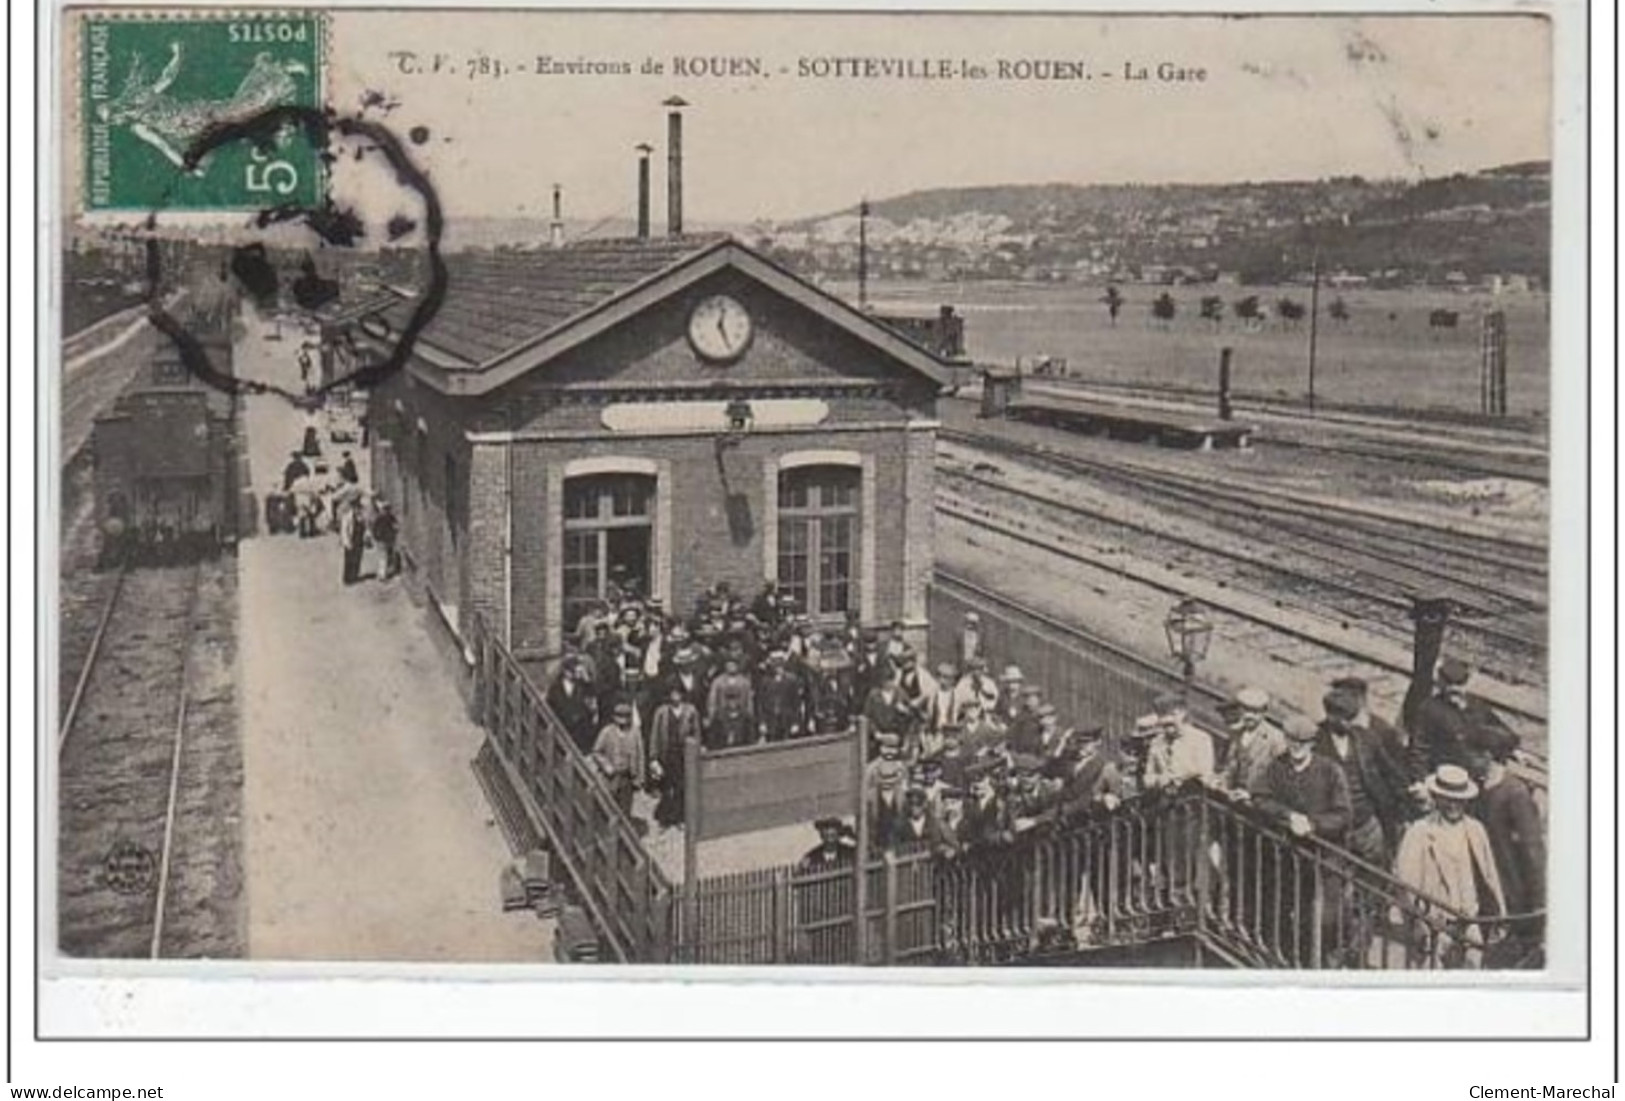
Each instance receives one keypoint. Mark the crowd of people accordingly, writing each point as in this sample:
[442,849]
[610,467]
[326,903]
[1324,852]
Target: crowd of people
[963,760]
[317,499]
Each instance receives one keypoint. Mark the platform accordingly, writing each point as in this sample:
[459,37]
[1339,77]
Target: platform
[1130,422]
[367,837]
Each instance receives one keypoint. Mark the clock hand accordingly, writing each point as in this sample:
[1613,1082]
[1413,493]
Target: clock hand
[722,327]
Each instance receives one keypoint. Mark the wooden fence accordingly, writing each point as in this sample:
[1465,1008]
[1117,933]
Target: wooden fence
[564,795]
[1087,678]
[804,915]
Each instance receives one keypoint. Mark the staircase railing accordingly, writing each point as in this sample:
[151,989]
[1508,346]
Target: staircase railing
[1194,864]
[1190,863]
[566,797]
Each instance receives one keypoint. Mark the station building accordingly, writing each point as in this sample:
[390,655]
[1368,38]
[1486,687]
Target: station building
[670,412]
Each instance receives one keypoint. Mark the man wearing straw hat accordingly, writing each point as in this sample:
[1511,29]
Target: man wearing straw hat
[1446,859]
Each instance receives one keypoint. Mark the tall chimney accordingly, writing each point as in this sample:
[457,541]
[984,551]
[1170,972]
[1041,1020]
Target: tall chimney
[863,254]
[674,166]
[555,228]
[644,149]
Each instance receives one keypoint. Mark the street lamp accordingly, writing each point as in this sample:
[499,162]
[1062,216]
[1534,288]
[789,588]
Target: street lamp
[1189,631]
[740,417]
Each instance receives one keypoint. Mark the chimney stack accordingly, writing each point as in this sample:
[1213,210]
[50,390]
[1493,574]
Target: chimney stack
[644,149]
[674,166]
[555,228]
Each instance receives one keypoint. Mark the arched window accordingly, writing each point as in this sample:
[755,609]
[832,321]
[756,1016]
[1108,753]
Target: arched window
[819,516]
[608,539]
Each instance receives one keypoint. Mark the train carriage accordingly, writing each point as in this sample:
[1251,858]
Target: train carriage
[165,467]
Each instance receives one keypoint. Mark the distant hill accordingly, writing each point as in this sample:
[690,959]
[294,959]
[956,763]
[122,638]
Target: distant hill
[1477,225]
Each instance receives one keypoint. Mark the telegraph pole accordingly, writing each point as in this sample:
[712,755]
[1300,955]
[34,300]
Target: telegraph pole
[1314,321]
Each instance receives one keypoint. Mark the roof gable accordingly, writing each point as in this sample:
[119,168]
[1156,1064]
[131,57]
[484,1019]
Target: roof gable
[508,315]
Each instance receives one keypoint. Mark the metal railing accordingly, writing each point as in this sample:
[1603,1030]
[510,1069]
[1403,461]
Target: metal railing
[1189,865]
[1194,864]
[564,794]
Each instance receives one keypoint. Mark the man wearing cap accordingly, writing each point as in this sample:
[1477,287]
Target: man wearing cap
[1310,795]
[605,651]
[1506,807]
[870,669]
[1180,751]
[781,701]
[1091,772]
[570,699]
[385,531]
[1033,799]
[730,707]
[977,731]
[1446,858]
[766,606]
[831,700]
[676,722]
[1454,722]
[1255,741]
[916,683]
[888,761]
[1396,740]
[986,819]
[1308,791]
[884,794]
[1023,725]
[618,753]
[1377,781]
[1012,688]
[917,827]
[887,712]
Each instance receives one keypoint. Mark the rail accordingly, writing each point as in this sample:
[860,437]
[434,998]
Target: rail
[91,654]
[564,794]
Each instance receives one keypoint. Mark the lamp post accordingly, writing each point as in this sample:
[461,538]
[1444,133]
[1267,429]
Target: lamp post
[1188,631]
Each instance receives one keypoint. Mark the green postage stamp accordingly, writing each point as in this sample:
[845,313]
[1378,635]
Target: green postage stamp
[151,86]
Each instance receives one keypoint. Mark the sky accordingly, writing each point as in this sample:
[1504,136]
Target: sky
[1280,98]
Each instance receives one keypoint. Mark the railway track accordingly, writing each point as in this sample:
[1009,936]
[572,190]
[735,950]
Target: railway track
[1323,635]
[1345,562]
[1529,765]
[1433,456]
[122,755]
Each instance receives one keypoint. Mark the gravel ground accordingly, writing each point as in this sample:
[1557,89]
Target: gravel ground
[114,769]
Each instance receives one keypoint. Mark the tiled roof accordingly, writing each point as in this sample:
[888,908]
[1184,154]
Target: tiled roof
[497,302]
[357,301]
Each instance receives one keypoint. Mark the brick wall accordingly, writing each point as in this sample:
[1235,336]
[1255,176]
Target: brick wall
[507,566]
[718,522]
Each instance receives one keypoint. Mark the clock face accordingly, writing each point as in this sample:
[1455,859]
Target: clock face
[719,328]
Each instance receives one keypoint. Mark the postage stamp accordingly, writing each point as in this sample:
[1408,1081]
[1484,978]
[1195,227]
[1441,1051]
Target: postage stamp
[152,88]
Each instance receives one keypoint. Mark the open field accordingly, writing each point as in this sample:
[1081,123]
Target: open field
[1385,355]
